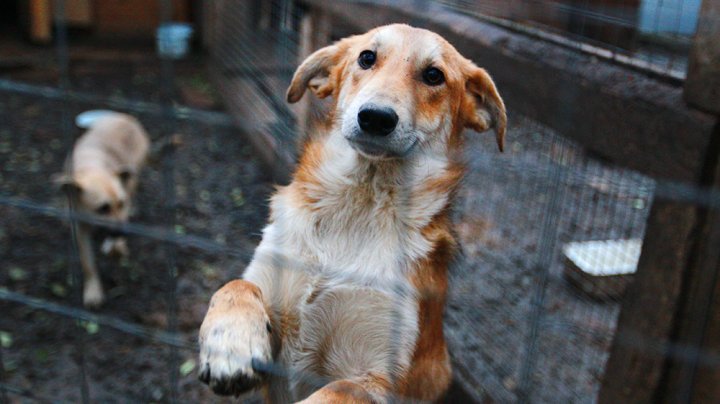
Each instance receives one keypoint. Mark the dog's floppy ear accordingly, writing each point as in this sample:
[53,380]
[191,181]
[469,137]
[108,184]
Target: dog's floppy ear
[314,73]
[483,108]
[66,182]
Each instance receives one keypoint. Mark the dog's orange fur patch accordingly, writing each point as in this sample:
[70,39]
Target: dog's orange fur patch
[345,392]
[310,161]
[233,294]
[430,373]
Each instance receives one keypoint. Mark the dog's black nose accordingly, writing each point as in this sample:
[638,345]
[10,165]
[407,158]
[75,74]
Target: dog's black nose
[378,121]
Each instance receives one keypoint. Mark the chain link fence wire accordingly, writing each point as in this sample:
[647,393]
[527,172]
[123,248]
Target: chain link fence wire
[519,327]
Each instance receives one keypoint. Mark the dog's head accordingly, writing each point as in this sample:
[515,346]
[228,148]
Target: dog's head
[398,88]
[98,192]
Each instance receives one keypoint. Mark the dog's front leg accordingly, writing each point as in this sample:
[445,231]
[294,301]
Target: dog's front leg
[93,295]
[234,335]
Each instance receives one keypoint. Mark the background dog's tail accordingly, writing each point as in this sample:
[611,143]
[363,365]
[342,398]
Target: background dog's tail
[87,119]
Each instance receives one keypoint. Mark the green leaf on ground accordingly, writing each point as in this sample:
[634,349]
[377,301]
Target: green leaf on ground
[90,327]
[187,367]
[17,274]
[58,289]
[6,339]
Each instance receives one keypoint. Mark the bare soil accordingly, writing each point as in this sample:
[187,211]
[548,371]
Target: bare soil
[220,194]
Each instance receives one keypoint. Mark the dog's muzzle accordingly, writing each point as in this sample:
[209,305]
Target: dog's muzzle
[377,134]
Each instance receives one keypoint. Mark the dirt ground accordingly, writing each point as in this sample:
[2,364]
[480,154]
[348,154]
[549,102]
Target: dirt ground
[220,193]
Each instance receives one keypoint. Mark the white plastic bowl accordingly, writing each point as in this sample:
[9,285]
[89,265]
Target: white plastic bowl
[86,119]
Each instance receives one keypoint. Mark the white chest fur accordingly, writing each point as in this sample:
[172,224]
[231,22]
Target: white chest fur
[362,225]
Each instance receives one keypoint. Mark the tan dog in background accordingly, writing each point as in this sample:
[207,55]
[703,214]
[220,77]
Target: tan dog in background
[343,301]
[101,177]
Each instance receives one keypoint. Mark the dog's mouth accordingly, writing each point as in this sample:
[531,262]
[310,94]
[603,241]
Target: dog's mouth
[382,150]
[107,232]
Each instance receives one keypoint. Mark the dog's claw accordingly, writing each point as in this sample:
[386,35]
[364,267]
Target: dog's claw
[228,374]
[235,385]
[204,375]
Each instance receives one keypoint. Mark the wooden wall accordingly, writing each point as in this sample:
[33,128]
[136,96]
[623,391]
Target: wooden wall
[123,18]
[134,17]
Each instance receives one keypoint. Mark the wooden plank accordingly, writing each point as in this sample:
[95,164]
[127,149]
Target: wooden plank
[78,13]
[135,17]
[616,113]
[252,77]
[256,118]
[693,374]
[702,86]
[638,353]
[706,383]
[697,329]
[40,21]
[251,69]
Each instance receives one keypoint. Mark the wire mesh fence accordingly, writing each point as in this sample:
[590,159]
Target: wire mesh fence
[54,351]
[522,323]
[535,332]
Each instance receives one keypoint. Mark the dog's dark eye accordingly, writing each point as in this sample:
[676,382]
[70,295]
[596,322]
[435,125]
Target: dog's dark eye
[104,209]
[366,59]
[433,76]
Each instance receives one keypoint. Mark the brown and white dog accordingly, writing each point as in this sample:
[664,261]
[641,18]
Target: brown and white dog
[101,177]
[343,300]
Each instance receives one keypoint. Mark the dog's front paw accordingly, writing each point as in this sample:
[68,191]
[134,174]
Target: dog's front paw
[228,349]
[115,247]
[233,339]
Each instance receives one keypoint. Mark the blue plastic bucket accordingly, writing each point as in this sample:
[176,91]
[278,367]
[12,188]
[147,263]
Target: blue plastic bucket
[173,39]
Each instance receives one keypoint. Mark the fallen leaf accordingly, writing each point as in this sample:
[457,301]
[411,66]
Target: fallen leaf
[17,274]
[187,367]
[58,290]
[6,339]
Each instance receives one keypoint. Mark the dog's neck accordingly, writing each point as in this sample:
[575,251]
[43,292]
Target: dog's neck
[334,178]
[360,220]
